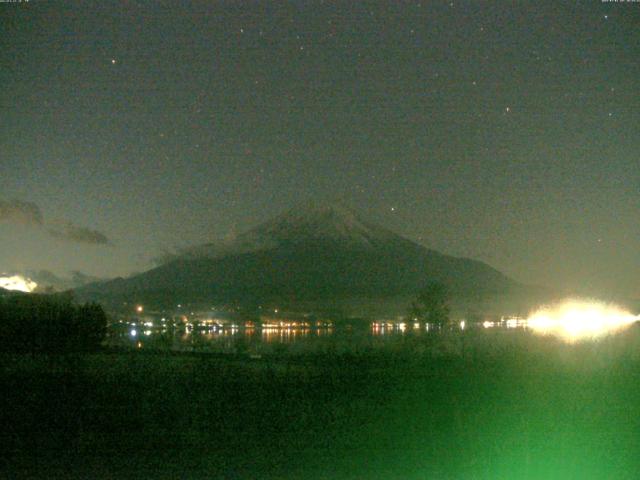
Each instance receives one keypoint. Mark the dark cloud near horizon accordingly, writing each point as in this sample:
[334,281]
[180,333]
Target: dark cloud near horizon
[19,212]
[28,213]
[79,278]
[49,281]
[166,257]
[75,233]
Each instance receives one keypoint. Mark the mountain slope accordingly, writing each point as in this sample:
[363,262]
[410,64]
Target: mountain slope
[313,252]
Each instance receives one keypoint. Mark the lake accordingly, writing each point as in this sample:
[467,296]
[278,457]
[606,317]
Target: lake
[353,337]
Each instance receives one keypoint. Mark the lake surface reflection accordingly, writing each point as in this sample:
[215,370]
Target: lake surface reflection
[258,340]
[346,336]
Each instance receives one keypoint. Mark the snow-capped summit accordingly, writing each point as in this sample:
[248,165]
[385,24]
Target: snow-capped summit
[307,223]
[321,222]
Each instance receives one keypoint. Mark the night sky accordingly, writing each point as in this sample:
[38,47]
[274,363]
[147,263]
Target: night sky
[508,132]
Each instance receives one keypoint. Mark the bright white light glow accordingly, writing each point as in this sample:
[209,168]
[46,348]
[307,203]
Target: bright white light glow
[575,320]
[512,323]
[19,283]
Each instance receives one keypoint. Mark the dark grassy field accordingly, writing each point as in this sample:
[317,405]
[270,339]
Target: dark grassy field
[481,406]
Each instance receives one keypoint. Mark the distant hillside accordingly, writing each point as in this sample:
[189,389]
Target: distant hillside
[308,253]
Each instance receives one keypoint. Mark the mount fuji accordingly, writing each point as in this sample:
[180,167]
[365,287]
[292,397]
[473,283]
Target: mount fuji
[313,252]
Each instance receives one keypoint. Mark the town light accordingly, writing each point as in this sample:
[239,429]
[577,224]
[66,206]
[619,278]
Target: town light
[575,320]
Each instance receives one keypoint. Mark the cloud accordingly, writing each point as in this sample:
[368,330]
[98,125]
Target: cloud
[18,212]
[78,278]
[166,257]
[49,281]
[75,233]
[28,213]
[44,277]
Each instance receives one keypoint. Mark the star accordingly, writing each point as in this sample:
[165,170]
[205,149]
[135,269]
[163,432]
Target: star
[113,61]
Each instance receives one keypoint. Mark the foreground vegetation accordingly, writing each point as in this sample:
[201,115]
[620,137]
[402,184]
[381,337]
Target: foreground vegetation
[487,405]
[38,323]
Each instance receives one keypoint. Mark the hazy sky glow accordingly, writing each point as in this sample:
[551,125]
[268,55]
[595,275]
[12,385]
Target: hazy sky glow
[506,133]
[18,283]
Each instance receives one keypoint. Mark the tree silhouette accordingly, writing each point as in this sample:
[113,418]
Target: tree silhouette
[50,323]
[431,305]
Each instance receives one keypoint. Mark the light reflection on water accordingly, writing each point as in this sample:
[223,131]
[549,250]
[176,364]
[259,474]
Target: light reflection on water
[346,337]
[307,338]
[255,339]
